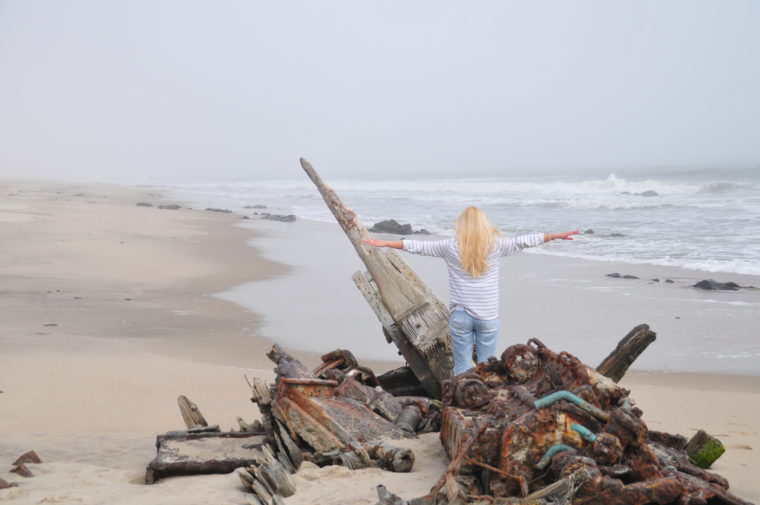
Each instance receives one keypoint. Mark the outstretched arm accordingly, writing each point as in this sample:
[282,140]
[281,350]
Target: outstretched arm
[394,244]
[548,237]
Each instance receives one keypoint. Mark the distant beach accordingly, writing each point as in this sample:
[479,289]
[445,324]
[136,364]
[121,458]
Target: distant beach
[113,310]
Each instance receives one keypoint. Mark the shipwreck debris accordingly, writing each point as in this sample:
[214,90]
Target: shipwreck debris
[336,414]
[516,425]
[203,451]
[704,449]
[412,317]
[628,349]
[191,414]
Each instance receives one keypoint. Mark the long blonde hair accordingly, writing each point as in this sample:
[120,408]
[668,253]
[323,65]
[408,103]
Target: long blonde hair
[477,238]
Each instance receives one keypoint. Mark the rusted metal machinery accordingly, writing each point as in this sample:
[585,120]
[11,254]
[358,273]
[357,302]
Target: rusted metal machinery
[516,425]
[338,414]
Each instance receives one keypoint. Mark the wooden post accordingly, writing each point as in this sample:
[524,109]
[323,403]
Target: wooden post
[628,349]
[191,413]
[704,449]
[419,325]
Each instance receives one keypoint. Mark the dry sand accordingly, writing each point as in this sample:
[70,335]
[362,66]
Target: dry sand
[108,316]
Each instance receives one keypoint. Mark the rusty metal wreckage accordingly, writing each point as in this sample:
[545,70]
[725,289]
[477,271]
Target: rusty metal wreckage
[532,427]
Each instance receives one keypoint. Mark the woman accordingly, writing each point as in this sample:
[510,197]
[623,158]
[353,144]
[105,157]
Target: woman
[472,259]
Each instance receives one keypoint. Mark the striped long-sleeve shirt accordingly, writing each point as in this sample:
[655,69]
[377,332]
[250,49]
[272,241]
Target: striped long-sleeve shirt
[479,296]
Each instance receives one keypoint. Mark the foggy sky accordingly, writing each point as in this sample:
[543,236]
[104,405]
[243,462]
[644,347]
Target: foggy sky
[106,90]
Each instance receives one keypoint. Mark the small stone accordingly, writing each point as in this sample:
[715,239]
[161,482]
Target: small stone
[22,470]
[615,275]
[4,484]
[28,457]
[225,211]
[50,324]
[669,281]
[648,193]
[169,207]
[588,232]
[655,280]
[144,204]
[630,277]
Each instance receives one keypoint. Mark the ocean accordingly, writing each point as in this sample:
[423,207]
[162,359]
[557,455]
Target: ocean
[706,220]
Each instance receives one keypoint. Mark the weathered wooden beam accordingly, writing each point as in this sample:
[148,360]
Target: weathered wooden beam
[420,319]
[191,414]
[628,349]
[704,449]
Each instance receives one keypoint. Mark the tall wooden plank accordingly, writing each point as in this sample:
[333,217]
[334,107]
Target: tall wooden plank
[420,317]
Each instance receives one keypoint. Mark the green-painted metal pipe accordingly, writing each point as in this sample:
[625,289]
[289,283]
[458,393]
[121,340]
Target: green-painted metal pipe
[567,395]
[547,457]
[586,433]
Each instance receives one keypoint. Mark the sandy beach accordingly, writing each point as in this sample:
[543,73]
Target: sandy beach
[111,310]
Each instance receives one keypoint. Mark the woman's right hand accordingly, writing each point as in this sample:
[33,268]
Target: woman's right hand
[374,242]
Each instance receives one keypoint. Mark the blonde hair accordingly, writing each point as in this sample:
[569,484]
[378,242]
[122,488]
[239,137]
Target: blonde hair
[477,238]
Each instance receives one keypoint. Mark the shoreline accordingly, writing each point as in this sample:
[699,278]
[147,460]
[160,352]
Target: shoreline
[91,393]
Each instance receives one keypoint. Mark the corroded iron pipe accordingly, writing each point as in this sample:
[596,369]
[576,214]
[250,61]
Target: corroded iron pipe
[586,433]
[567,395]
[547,457]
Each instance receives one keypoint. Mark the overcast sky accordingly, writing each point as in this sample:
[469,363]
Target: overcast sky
[240,89]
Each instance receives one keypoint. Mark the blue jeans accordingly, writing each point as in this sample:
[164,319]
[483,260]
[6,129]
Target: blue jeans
[465,330]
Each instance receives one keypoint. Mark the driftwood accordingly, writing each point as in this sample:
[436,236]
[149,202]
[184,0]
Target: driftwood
[704,449]
[191,413]
[628,349]
[412,317]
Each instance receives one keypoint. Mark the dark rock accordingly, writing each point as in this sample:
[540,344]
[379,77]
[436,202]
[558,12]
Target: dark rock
[616,235]
[655,280]
[28,457]
[669,281]
[22,470]
[144,204]
[648,193]
[170,206]
[246,217]
[257,206]
[422,231]
[4,484]
[279,217]
[588,232]
[619,276]
[392,226]
[225,211]
[713,285]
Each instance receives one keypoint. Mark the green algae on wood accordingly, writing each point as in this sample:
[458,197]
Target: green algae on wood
[704,449]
